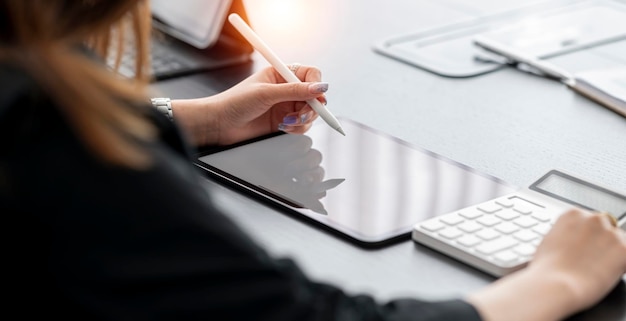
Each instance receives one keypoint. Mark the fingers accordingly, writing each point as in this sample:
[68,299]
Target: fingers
[310,87]
[610,224]
[599,228]
[294,68]
[600,220]
[586,252]
[609,217]
[615,236]
[296,91]
[313,76]
[298,122]
[290,98]
[306,73]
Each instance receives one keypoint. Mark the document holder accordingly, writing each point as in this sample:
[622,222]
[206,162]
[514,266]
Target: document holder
[543,30]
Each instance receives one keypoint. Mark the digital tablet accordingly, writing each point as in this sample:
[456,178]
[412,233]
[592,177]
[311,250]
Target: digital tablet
[196,22]
[368,186]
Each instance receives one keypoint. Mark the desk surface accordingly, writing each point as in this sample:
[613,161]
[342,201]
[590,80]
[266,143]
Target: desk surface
[509,124]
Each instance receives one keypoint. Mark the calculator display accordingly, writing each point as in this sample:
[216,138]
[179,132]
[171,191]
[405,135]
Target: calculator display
[581,193]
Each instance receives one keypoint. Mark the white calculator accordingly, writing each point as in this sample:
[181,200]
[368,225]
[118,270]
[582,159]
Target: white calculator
[500,236]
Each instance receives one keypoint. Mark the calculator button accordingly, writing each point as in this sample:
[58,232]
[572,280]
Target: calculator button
[488,235]
[469,240]
[508,215]
[525,222]
[450,233]
[471,214]
[505,202]
[525,236]
[523,209]
[542,216]
[497,245]
[506,257]
[453,219]
[488,220]
[525,249]
[432,225]
[470,227]
[542,229]
[489,207]
[507,228]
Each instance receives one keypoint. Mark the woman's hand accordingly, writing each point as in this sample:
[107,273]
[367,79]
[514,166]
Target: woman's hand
[580,260]
[261,104]
[586,253]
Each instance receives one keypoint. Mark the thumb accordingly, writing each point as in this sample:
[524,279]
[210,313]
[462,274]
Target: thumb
[297,91]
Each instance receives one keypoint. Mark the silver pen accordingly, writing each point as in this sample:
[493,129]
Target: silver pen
[573,82]
[282,69]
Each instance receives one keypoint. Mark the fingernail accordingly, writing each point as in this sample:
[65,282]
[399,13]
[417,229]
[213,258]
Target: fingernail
[318,87]
[306,117]
[285,128]
[290,120]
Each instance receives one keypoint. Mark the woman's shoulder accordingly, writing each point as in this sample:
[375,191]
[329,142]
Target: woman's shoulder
[21,104]
[12,76]
[17,85]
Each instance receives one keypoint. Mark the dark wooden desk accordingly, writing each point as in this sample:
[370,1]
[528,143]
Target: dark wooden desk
[508,124]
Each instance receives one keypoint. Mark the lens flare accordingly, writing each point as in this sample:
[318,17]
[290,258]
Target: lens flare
[285,22]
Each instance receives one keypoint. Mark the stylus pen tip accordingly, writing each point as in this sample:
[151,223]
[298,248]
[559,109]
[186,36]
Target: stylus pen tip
[340,130]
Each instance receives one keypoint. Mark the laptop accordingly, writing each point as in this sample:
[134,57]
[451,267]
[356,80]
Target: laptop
[191,36]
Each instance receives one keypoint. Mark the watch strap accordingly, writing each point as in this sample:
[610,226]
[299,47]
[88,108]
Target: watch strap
[164,106]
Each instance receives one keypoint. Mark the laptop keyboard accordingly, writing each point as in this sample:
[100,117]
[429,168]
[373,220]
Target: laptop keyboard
[164,63]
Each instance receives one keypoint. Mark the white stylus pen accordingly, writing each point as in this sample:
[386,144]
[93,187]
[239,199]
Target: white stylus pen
[282,69]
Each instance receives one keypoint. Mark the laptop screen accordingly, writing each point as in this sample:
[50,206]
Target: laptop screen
[196,22]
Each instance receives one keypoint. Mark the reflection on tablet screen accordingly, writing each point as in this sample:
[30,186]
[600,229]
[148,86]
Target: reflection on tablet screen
[368,185]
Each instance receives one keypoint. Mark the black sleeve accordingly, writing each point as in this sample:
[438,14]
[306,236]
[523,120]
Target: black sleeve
[104,243]
[156,248]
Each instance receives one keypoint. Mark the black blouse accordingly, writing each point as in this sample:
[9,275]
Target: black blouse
[97,242]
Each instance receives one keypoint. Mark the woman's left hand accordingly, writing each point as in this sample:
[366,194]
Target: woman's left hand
[261,104]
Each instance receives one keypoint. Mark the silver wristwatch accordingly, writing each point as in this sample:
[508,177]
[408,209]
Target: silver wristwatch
[164,106]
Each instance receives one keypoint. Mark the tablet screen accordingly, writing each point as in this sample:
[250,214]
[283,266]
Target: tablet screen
[197,22]
[367,185]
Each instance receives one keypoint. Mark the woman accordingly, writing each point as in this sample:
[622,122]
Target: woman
[113,221]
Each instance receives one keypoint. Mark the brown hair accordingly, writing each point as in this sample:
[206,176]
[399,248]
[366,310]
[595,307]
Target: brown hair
[44,37]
